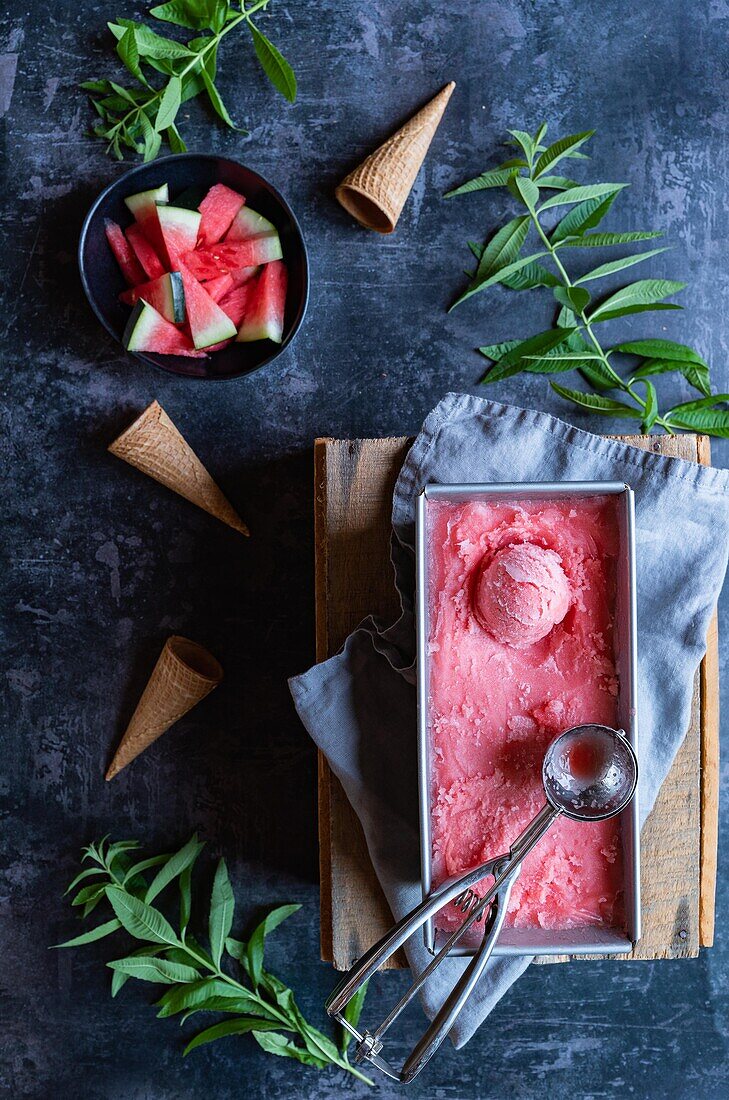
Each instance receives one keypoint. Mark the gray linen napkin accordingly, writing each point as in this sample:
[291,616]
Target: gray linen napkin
[359,706]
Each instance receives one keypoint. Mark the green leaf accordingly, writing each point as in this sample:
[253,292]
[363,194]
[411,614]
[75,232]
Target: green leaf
[497,177]
[504,247]
[91,936]
[128,53]
[81,876]
[661,349]
[618,265]
[237,950]
[597,403]
[148,42]
[560,149]
[255,945]
[557,183]
[699,403]
[586,215]
[512,162]
[696,375]
[712,421]
[651,407]
[524,141]
[498,277]
[274,64]
[222,906]
[169,104]
[540,134]
[198,15]
[119,978]
[217,103]
[174,139]
[273,1043]
[530,276]
[352,1013]
[90,893]
[496,351]
[581,194]
[152,140]
[572,297]
[143,865]
[100,86]
[513,362]
[152,969]
[605,240]
[197,993]
[525,189]
[141,920]
[627,310]
[174,866]
[232,1027]
[644,292]
[558,356]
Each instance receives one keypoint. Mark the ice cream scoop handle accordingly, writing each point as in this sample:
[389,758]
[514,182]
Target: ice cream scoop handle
[462,990]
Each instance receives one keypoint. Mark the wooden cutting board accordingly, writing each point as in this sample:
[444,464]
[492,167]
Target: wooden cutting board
[353,498]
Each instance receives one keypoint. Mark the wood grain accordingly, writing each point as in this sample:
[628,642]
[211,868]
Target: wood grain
[353,494]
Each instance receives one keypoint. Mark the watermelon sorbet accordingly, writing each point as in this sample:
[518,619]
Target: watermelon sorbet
[520,645]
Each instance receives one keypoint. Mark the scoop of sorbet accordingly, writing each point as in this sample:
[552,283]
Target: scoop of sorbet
[521,593]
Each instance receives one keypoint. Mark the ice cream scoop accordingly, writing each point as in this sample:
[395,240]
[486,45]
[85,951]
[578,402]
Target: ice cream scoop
[589,773]
[521,592]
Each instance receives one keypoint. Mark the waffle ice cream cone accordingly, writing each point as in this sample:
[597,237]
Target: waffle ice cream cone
[184,674]
[376,192]
[154,445]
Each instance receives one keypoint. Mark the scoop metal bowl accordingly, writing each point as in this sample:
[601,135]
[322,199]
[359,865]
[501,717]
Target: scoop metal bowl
[589,773]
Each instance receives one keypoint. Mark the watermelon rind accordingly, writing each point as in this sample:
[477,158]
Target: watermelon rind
[166,295]
[248,223]
[147,330]
[264,314]
[180,228]
[208,323]
[143,203]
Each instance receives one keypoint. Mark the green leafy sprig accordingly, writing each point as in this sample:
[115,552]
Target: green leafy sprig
[197,977]
[573,343]
[140,116]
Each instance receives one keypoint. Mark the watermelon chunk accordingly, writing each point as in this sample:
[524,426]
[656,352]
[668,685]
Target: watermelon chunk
[264,318]
[147,330]
[219,287]
[130,266]
[179,231]
[248,224]
[148,258]
[218,208]
[242,275]
[235,302]
[166,294]
[221,259]
[208,324]
[143,207]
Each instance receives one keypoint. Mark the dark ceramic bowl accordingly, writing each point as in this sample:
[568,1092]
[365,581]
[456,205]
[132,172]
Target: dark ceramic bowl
[103,282]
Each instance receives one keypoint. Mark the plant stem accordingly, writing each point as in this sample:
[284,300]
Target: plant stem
[197,59]
[343,1063]
[626,387]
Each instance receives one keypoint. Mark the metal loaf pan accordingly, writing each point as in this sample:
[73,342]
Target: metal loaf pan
[521,941]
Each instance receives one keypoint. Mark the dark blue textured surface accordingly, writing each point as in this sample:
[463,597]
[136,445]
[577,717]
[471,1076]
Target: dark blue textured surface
[102,565]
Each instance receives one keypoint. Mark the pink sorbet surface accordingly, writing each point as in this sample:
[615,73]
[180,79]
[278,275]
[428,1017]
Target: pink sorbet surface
[521,648]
